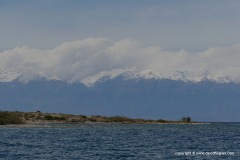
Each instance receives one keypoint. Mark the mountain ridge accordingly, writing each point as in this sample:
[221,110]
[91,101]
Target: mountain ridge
[185,76]
[136,98]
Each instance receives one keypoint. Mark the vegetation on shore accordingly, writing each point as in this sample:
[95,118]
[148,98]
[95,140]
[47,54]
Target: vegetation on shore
[38,117]
[10,118]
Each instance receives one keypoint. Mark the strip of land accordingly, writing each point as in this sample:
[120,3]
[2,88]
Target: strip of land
[37,118]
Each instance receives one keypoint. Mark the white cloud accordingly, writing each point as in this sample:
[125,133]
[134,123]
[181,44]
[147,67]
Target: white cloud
[81,60]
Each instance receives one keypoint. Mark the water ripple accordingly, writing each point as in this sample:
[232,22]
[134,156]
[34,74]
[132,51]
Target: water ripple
[119,141]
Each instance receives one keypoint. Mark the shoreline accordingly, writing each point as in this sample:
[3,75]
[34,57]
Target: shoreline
[39,119]
[78,125]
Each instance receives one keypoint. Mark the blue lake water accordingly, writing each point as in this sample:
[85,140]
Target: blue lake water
[122,141]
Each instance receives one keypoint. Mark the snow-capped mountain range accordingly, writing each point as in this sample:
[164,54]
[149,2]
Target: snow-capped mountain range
[185,76]
[144,94]
[178,75]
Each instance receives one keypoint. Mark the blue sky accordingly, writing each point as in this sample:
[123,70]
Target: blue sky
[172,24]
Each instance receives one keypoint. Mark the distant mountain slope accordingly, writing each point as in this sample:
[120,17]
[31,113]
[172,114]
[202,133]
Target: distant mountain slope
[141,97]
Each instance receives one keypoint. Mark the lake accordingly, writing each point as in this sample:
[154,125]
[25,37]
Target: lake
[122,141]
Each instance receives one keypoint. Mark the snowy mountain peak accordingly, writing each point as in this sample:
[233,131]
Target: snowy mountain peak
[146,74]
[8,76]
[186,76]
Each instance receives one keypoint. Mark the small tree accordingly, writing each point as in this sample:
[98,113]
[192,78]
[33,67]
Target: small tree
[188,119]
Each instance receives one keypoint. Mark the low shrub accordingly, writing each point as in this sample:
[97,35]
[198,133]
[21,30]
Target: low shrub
[57,118]
[10,118]
[48,117]
[119,119]
[161,121]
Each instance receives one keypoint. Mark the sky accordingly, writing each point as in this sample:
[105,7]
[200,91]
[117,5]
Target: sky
[172,24]
[75,39]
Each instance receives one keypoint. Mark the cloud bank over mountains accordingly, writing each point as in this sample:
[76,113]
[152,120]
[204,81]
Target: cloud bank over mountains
[91,58]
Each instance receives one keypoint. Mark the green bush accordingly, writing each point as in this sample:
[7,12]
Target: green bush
[119,119]
[161,121]
[59,118]
[10,118]
[48,117]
